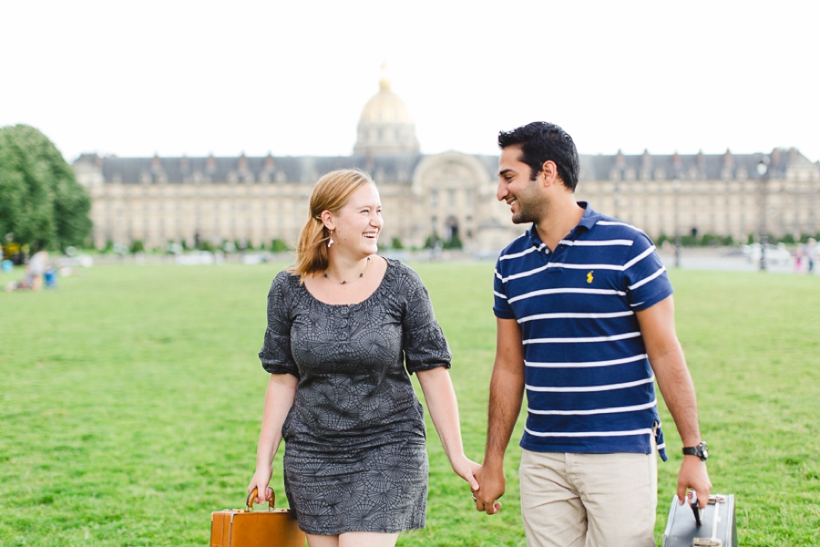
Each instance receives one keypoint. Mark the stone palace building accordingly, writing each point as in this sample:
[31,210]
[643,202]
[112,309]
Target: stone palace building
[258,199]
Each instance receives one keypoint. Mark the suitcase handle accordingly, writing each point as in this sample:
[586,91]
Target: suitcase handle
[253,494]
[712,541]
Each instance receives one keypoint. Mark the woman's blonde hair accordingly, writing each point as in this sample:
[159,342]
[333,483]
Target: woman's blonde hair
[330,194]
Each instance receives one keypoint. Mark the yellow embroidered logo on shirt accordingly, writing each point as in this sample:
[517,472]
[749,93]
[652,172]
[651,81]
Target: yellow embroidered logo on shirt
[589,277]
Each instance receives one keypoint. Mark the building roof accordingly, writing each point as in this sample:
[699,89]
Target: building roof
[687,166]
[398,167]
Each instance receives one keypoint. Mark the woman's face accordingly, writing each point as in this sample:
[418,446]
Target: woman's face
[357,224]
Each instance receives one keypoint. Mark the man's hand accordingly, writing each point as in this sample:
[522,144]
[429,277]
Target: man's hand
[693,475]
[666,357]
[506,395]
[492,484]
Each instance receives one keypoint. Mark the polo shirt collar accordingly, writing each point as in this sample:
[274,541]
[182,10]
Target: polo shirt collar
[591,216]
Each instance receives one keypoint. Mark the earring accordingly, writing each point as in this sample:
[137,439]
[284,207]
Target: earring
[330,241]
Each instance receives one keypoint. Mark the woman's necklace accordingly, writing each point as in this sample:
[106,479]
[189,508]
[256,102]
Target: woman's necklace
[343,282]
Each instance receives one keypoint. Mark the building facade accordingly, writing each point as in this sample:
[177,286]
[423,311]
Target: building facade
[257,199]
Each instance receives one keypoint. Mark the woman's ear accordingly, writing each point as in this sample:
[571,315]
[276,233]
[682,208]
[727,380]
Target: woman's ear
[327,220]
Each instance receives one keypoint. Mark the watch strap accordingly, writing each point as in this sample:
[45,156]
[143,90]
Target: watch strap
[700,451]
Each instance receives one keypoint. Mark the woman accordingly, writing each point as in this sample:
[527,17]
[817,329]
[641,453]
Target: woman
[343,324]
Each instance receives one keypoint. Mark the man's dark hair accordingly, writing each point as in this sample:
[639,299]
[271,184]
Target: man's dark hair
[542,141]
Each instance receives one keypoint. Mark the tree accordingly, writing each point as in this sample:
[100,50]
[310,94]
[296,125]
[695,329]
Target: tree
[454,242]
[278,246]
[41,203]
[137,247]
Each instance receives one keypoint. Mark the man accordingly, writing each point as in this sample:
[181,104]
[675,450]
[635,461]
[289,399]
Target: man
[585,323]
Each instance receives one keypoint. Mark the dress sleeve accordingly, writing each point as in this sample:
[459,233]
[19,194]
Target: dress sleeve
[423,341]
[275,354]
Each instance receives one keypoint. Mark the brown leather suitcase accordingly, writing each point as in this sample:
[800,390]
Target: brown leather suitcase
[249,528]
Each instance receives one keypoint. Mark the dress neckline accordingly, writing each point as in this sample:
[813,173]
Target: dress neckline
[390,266]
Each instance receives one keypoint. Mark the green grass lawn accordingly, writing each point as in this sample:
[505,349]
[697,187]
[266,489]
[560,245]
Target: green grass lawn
[131,396]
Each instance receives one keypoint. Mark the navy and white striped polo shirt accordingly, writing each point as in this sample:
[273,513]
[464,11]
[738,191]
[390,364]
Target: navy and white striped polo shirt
[589,384]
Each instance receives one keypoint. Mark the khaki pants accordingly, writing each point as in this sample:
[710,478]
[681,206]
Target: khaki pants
[589,500]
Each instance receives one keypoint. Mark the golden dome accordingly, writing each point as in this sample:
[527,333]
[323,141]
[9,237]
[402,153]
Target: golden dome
[385,124]
[385,107]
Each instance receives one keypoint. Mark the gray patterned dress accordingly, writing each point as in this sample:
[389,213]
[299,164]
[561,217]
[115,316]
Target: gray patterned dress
[355,456]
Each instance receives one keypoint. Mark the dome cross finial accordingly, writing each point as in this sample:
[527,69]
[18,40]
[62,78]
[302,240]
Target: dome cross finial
[384,81]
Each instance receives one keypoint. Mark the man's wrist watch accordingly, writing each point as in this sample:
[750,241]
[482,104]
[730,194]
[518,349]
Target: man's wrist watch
[699,451]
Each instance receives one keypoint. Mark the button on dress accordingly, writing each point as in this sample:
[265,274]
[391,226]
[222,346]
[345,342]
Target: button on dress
[355,457]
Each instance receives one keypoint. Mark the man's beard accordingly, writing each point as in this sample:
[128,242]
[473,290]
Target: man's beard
[523,216]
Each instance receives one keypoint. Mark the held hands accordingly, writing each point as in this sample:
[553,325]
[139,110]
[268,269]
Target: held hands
[466,469]
[469,471]
[260,480]
[493,484]
[693,475]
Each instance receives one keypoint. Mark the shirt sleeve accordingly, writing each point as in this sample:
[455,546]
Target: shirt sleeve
[646,280]
[275,354]
[423,340]
[501,306]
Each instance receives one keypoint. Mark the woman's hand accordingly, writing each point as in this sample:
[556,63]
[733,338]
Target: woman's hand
[260,481]
[466,469]
[279,399]
[441,403]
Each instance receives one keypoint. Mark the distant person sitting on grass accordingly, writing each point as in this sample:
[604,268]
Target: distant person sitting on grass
[35,270]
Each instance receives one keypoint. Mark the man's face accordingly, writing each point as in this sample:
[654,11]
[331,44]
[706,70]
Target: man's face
[516,187]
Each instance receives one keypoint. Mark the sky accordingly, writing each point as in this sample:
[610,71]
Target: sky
[291,78]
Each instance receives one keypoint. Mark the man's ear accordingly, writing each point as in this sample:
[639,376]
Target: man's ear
[550,173]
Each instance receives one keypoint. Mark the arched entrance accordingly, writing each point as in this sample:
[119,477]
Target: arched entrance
[452,237]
